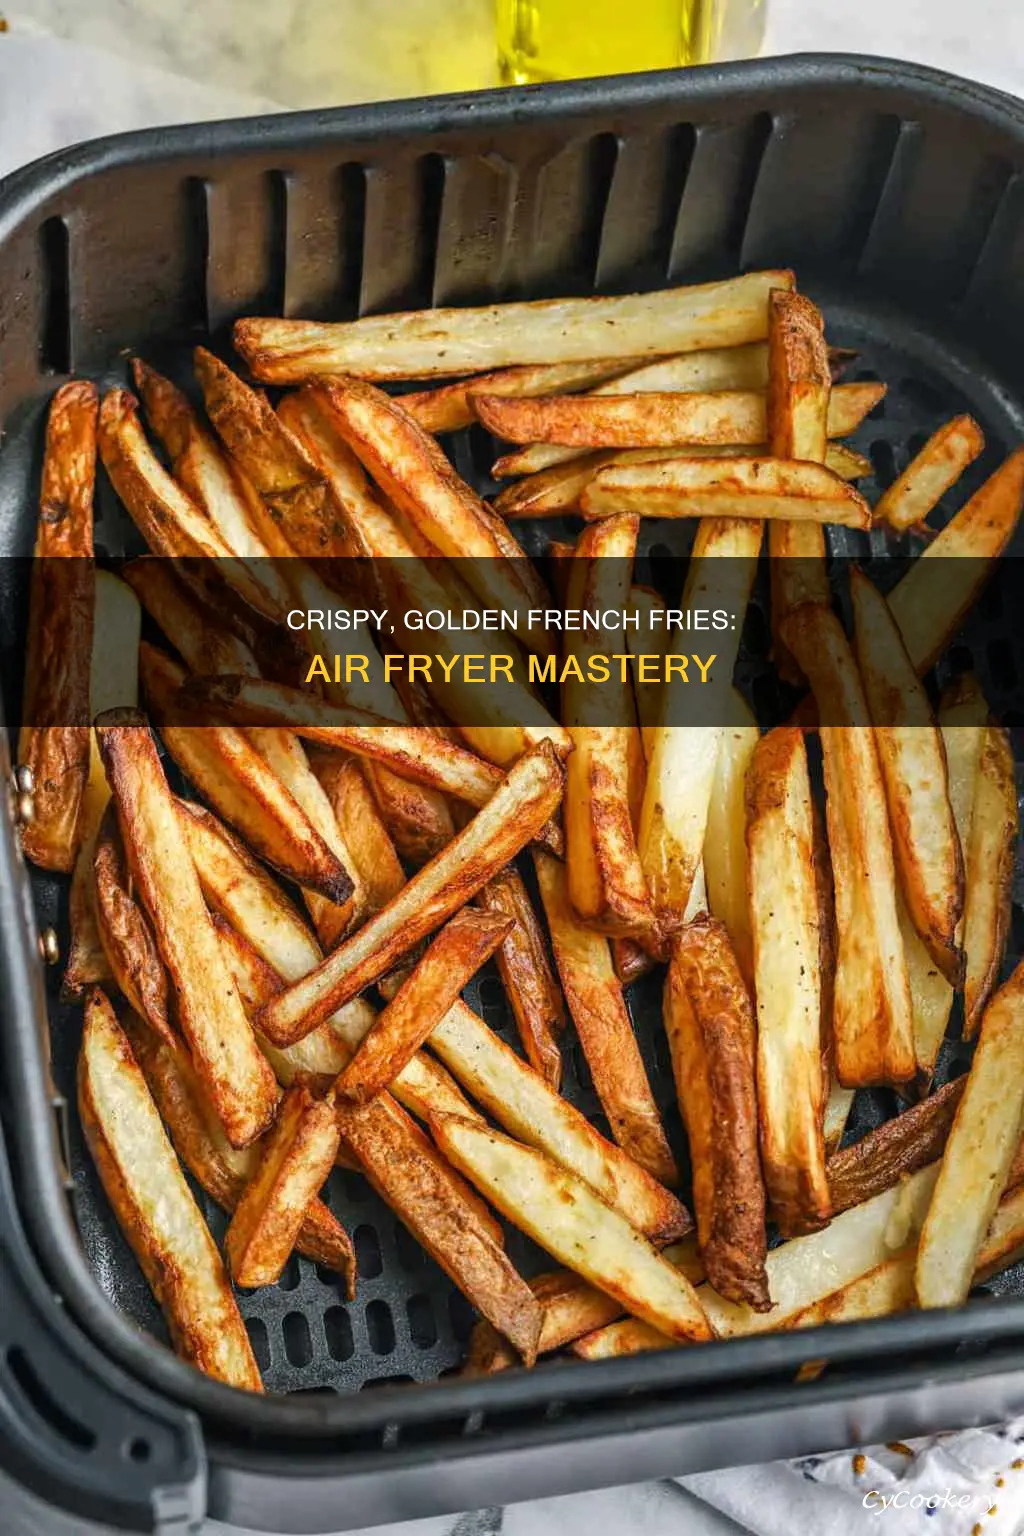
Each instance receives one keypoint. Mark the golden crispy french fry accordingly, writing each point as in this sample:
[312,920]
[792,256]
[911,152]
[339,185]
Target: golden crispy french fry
[800,406]
[227,769]
[606,879]
[926,843]
[416,476]
[209,1012]
[198,1138]
[375,864]
[425,1192]
[53,743]
[725,840]
[434,343]
[894,1149]
[562,1213]
[127,935]
[776,489]
[785,922]
[978,1154]
[872,1018]
[154,1206]
[295,1158]
[448,407]
[930,601]
[525,971]
[598,1009]
[510,819]
[927,478]
[421,1002]
[113,683]
[682,758]
[711,1032]
[204,644]
[990,860]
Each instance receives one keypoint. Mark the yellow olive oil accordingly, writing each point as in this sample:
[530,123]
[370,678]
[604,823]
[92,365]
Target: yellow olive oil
[571,39]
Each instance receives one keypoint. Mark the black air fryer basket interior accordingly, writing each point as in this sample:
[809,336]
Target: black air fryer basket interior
[898,196]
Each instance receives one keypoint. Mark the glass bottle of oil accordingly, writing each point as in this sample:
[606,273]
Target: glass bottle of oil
[572,39]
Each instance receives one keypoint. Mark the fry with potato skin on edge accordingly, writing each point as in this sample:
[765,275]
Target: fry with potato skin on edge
[532,991]
[991,854]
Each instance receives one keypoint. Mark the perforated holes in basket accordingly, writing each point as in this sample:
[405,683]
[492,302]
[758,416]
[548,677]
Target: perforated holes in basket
[380,1327]
[338,1334]
[369,1263]
[298,1345]
[422,1325]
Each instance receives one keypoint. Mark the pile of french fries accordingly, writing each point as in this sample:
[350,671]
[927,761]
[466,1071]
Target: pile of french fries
[272,966]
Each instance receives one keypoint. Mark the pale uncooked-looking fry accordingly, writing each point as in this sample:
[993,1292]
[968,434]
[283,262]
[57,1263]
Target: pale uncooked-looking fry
[422,1189]
[421,1002]
[767,488]
[562,1213]
[734,417]
[416,476]
[872,1018]
[978,1154]
[127,935]
[198,1138]
[295,1158]
[990,861]
[725,840]
[894,1149]
[681,757]
[522,1102]
[925,840]
[448,407]
[228,770]
[606,879]
[209,1012]
[652,637]
[593,993]
[525,970]
[375,864]
[927,478]
[54,740]
[799,407]
[113,684]
[510,819]
[785,923]
[154,1205]
[930,601]
[710,1025]
[433,343]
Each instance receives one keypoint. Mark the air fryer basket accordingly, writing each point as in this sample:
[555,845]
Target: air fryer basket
[898,195]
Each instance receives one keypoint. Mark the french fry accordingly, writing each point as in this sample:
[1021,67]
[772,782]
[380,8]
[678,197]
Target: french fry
[711,1032]
[652,637]
[449,407]
[522,1102]
[930,601]
[295,1158]
[205,645]
[413,472]
[509,820]
[725,840]
[978,1154]
[607,886]
[375,864]
[562,1213]
[154,1205]
[785,922]
[598,1009]
[775,489]
[525,971]
[199,1141]
[990,862]
[228,770]
[126,934]
[113,683]
[209,1011]
[421,1002]
[434,343]
[925,840]
[872,1018]
[53,742]
[894,1149]
[927,478]
[682,758]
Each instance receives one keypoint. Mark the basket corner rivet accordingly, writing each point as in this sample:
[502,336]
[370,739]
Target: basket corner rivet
[49,946]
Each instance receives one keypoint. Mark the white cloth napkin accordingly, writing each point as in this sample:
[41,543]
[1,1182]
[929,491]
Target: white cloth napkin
[820,1496]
